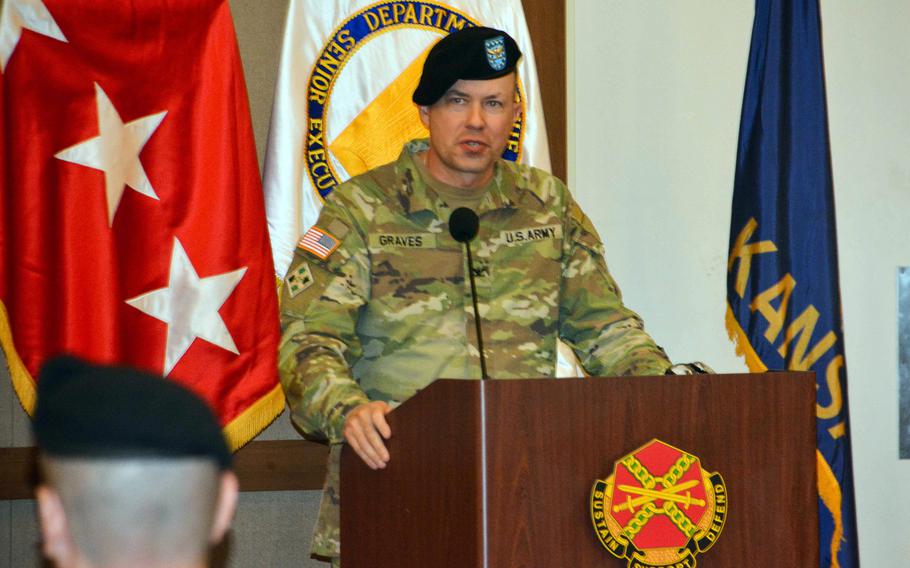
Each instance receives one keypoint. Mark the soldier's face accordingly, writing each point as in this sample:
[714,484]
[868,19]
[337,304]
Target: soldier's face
[469,128]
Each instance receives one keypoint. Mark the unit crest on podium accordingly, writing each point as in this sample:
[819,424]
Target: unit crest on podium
[659,508]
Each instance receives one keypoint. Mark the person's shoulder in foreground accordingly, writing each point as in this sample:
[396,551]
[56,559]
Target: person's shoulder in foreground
[135,469]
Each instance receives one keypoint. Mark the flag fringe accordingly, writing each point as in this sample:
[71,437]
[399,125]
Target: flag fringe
[830,493]
[743,346]
[254,419]
[23,382]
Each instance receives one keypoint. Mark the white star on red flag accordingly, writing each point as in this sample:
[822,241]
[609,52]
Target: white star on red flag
[189,305]
[150,98]
[115,151]
[18,15]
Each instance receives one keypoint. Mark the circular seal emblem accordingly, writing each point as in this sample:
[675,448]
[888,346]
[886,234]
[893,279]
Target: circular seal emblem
[342,45]
[659,508]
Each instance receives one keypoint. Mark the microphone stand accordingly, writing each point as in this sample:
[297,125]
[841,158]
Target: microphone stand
[463,226]
[483,359]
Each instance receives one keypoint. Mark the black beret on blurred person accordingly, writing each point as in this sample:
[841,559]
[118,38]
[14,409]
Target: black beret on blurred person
[96,412]
[475,53]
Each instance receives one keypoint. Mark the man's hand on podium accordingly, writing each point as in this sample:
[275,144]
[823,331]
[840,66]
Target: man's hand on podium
[364,429]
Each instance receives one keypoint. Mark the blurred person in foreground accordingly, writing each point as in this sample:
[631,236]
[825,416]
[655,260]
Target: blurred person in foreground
[135,469]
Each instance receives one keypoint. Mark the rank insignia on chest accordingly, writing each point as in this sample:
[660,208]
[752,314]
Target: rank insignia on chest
[318,242]
[299,279]
[659,508]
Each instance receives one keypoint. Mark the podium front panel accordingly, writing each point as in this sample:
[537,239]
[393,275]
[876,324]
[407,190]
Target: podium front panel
[424,508]
[549,440]
[552,439]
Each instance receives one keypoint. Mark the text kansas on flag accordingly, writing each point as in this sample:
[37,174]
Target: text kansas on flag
[782,279]
[133,226]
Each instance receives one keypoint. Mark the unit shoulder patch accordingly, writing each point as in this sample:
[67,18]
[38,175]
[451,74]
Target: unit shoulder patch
[299,279]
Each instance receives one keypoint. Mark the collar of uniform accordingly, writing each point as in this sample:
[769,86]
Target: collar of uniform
[420,197]
[514,187]
[511,186]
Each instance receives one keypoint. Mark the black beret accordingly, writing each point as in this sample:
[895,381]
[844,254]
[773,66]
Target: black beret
[472,54]
[92,411]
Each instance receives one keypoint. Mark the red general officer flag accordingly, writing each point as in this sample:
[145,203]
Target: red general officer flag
[132,215]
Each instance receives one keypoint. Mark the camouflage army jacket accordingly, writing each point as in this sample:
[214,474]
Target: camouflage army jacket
[389,310]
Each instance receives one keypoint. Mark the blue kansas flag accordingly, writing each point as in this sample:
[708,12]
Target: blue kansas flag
[782,280]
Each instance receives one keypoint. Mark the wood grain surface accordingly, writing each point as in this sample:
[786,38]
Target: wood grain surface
[548,441]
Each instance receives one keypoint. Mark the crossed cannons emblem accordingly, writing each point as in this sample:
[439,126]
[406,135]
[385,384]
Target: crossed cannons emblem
[690,503]
[649,495]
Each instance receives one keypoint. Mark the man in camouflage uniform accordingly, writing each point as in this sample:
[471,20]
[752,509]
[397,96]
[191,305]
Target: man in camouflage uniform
[377,304]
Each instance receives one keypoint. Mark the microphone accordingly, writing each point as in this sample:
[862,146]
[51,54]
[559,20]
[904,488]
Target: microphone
[463,226]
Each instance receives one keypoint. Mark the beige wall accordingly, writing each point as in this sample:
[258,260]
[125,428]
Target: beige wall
[259,25]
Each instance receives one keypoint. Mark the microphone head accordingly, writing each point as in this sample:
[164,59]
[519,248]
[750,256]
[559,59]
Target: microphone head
[463,225]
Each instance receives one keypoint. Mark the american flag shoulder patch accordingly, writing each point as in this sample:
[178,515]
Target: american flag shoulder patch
[318,242]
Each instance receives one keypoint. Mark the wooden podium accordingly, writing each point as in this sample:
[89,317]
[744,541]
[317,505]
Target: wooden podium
[499,473]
